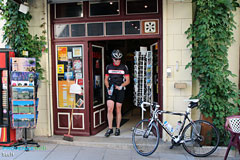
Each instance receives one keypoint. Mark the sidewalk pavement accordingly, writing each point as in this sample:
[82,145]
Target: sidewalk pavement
[72,151]
[68,152]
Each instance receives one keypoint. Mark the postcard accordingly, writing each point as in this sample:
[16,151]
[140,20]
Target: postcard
[20,109]
[23,93]
[23,120]
[23,64]
[23,103]
[22,78]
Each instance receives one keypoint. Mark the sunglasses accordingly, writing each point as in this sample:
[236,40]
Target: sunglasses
[116,59]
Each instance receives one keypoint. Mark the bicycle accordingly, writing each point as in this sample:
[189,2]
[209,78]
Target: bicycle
[199,138]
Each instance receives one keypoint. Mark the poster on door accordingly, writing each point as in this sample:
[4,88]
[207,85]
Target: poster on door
[65,99]
[62,54]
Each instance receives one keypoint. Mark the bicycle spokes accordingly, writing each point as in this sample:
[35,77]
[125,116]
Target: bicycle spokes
[200,138]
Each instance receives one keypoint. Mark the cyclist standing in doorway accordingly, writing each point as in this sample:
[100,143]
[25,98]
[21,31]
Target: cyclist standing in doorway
[116,80]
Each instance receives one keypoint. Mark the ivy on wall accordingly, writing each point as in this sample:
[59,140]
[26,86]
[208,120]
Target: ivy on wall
[17,36]
[211,35]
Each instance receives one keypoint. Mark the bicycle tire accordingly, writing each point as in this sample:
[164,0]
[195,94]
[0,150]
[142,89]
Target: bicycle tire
[145,145]
[204,145]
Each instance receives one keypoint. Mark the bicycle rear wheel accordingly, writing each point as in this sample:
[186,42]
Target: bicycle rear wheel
[145,137]
[201,138]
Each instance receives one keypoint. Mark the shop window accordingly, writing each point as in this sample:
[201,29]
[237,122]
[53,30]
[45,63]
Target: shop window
[132,27]
[104,8]
[64,10]
[142,6]
[70,72]
[95,29]
[114,28]
[78,30]
[61,30]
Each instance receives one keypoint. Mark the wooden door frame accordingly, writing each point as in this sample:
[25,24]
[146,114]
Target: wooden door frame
[93,130]
[86,131]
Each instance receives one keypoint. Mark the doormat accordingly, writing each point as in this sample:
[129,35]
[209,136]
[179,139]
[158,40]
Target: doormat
[123,121]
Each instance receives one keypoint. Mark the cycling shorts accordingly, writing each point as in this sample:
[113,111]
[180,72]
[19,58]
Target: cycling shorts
[117,96]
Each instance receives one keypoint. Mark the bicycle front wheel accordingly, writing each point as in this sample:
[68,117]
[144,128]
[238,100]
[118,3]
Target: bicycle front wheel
[145,137]
[200,138]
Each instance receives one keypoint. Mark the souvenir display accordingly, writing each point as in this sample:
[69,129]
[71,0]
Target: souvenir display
[143,77]
[23,93]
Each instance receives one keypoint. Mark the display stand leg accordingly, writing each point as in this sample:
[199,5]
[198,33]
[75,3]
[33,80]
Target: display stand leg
[26,142]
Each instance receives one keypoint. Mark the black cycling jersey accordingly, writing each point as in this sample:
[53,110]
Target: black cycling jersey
[116,74]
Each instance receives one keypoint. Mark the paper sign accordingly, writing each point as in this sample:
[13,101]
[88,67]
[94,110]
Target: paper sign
[60,69]
[62,54]
[77,52]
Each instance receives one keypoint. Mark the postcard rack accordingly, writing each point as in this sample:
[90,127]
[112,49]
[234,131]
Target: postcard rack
[143,77]
[24,101]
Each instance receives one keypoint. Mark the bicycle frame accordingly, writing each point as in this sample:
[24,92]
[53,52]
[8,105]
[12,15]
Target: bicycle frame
[189,135]
[155,118]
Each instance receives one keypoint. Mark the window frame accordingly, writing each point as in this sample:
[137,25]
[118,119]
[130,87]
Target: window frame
[55,11]
[89,10]
[78,36]
[104,34]
[140,27]
[123,28]
[69,30]
[126,11]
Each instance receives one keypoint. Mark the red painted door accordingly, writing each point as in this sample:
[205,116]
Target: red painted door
[97,89]
[71,110]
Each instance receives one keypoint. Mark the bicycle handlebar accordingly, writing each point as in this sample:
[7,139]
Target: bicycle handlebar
[142,105]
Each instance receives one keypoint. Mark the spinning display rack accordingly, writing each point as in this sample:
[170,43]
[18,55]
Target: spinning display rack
[143,62]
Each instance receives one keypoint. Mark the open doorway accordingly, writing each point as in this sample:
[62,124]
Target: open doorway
[129,111]
[128,47]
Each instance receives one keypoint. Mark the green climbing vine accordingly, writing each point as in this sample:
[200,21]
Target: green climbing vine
[211,35]
[17,36]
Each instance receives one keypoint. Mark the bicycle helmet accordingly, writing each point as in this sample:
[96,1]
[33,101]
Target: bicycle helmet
[117,54]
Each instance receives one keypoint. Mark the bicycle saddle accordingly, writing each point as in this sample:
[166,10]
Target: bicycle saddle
[192,100]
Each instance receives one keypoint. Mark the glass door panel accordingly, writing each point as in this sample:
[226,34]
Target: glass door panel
[70,71]
[98,75]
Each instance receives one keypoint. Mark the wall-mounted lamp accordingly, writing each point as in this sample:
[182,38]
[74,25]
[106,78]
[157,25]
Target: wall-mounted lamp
[169,72]
[23,8]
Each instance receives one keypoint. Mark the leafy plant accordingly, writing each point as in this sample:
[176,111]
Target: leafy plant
[211,35]
[17,36]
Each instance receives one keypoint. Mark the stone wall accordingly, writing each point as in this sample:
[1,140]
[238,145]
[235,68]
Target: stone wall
[39,18]
[177,17]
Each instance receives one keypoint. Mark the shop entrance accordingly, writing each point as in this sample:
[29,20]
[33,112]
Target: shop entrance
[100,56]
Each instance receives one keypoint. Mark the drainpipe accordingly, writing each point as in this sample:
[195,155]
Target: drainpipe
[48,66]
